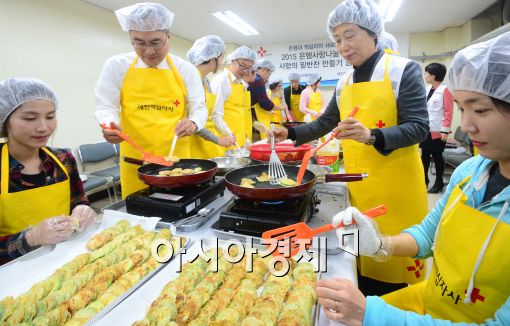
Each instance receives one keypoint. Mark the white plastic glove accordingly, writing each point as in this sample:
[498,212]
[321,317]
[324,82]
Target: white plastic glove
[83,216]
[50,231]
[369,236]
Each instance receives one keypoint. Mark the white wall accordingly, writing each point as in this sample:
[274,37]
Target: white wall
[64,42]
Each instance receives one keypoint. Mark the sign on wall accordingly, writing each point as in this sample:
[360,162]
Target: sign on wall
[305,57]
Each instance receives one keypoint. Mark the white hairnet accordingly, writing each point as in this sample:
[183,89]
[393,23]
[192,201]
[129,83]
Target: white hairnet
[15,92]
[144,17]
[364,13]
[483,68]
[313,78]
[274,80]
[264,63]
[387,41]
[205,49]
[294,76]
[243,52]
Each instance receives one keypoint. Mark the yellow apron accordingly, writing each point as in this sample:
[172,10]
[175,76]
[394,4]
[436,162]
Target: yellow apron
[248,119]
[396,180]
[462,232]
[152,103]
[237,112]
[199,147]
[294,106]
[266,117]
[21,209]
[277,114]
[315,102]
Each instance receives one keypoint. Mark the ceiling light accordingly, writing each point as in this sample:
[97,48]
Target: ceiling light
[389,9]
[236,22]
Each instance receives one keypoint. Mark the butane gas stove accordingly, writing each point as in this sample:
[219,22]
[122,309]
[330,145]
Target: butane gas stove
[252,218]
[174,204]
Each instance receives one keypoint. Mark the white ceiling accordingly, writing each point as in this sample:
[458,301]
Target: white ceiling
[280,21]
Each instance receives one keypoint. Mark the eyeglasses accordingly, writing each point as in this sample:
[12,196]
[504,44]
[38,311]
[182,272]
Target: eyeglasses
[156,45]
[244,68]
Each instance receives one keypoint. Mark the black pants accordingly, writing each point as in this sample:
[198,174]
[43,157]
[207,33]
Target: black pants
[435,148]
[369,286]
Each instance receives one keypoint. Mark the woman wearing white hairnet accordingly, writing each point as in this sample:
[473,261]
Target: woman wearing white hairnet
[231,113]
[312,102]
[381,139]
[207,55]
[293,96]
[149,94]
[275,94]
[466,233]
[40,186]
[388,43]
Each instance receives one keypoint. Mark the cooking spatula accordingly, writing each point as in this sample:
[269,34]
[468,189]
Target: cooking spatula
[302,233]
[308,155]
[147,157]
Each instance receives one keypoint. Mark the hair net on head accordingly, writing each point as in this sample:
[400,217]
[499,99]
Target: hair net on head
[144,17]
[313,78]
[275,80]
[264,63]
[387,41]
[205,49]
[294,76]
[243,52]
[483,68]
[364,13]
[15,92]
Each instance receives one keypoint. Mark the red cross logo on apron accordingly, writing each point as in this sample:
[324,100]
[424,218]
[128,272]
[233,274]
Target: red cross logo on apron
[475,295]
[380,124]
[176,103]
[418,266]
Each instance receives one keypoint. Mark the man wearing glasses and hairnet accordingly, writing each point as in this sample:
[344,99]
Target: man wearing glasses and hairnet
[149,94]
[231,114]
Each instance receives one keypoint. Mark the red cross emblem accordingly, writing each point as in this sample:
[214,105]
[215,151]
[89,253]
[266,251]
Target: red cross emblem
[380,124]
[261,51]
[176,103]
[475,295]
[418,266]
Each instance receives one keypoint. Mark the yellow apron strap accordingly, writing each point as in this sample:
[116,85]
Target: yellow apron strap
[50,154]
[5,170]
[177,75]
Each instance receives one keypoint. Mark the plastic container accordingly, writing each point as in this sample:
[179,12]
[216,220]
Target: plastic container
[328,155]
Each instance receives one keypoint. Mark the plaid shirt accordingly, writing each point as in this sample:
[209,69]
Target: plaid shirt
[15,245]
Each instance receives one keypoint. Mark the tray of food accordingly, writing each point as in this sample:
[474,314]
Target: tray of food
[221,292]
[85,278]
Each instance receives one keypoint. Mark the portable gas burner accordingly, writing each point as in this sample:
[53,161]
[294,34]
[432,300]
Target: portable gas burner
[174,204]
[252,218]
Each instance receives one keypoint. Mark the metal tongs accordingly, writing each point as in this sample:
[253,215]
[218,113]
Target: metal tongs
[200,215]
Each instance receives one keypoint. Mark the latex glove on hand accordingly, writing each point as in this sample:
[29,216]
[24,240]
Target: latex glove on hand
[280,134]
[370,240]
[50,231]
[82,217]
[185,127]
[227,141]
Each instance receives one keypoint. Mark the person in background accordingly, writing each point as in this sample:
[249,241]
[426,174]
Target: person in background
[293,95]
[275,94]
[261,106]
[381,139]
[149,94]
[388,43]
[312,101]
[207,56]
[466,233]
[231,114]
[40,186]
[440,107]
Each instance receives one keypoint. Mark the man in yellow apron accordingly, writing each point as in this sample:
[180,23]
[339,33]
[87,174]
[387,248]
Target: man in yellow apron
[159,95]
[207,55]
[312,103]
[380,140]
[40,187]
[292,96]
[468,230]
[231,109]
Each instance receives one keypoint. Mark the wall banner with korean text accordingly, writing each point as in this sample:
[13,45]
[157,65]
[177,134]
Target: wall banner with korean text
[305,57]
